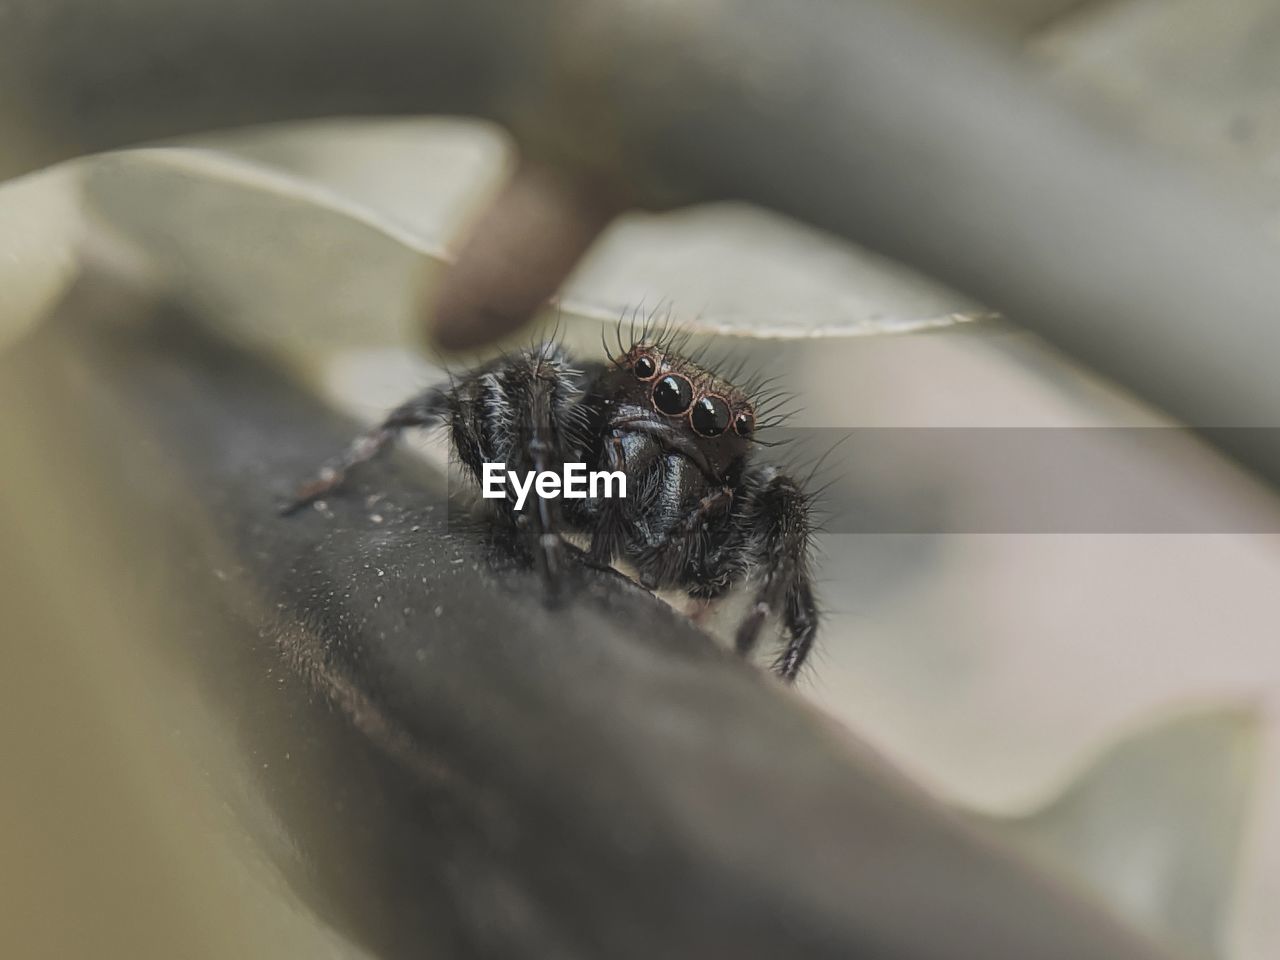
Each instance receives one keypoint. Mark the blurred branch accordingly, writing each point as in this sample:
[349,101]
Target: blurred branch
[452,767]
[857,116]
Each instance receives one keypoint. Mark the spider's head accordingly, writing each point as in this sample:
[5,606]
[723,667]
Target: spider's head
[717,417]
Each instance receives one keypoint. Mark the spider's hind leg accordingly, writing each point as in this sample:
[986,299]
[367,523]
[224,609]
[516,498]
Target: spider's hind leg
[776,514]
[424,410]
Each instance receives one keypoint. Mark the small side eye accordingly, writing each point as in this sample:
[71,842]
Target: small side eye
[710,416]
[672,395]
[644,367]
[744,424]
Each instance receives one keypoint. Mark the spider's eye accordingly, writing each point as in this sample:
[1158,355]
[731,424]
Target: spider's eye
[644,367]
[710,416]
[744,424]
[672,395]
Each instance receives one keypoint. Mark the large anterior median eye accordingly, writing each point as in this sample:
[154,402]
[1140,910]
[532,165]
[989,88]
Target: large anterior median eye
[672,395]
[710,416]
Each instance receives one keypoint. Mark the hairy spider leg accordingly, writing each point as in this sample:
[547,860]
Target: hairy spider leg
[778,513]
[539,441]
[523,411]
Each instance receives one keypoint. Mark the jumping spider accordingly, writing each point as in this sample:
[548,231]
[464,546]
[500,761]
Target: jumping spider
[701,514]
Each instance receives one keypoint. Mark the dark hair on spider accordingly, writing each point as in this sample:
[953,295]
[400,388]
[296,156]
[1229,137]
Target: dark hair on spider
[703,514]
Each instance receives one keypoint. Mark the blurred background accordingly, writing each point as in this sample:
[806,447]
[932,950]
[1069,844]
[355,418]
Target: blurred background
[1048,602]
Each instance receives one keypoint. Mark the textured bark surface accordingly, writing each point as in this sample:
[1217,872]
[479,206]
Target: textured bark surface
[861,117]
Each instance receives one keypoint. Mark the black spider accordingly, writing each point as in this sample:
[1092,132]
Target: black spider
[701,514]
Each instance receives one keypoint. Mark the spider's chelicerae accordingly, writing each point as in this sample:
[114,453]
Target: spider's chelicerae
[701,514]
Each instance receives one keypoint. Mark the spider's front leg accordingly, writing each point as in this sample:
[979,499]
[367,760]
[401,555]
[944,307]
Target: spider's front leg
[776,522]
[523,414]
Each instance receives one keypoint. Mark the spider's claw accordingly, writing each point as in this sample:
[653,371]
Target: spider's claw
[309,493]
